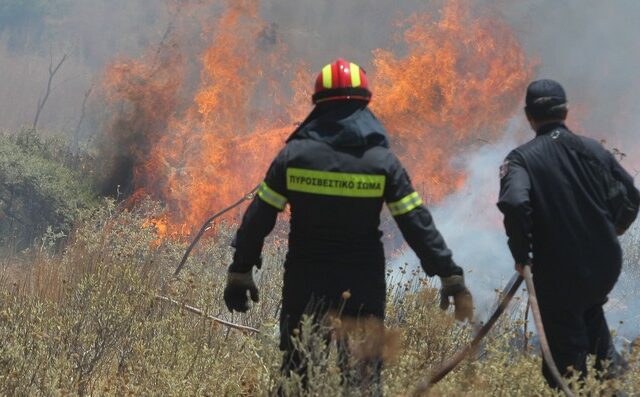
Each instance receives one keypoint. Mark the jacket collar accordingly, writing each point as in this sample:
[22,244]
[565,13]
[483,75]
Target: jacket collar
[547,128]
[342,124]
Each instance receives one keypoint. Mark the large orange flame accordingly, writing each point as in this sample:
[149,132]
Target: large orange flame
[460,80]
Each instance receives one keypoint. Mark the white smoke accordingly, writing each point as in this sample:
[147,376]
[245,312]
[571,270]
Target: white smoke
[472,224]
[623,308]
[472,227]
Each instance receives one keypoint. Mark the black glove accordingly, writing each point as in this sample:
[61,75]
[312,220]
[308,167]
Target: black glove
[453,286]
[235,293]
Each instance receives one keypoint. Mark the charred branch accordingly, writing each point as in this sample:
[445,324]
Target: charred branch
[52,73]
[83,110]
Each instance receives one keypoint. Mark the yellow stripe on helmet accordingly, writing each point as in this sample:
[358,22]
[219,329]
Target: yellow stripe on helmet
[355,75]
[327,76]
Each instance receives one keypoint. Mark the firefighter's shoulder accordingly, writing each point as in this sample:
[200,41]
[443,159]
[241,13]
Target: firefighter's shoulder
[515,158]
[596,147]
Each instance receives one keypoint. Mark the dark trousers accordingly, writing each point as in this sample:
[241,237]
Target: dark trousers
[363,379]
[353,293]
[575,333]
[361,376]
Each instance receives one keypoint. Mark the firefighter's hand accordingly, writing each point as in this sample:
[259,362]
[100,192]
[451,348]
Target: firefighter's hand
[235,293]
[454,286]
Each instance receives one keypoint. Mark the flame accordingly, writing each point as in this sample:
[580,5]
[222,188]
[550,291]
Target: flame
[462,77]
[159,226]
[143,96]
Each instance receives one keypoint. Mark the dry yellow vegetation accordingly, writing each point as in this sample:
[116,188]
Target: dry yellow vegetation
[85,321]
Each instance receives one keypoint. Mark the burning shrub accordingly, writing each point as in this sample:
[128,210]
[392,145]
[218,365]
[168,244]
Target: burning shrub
[143,98]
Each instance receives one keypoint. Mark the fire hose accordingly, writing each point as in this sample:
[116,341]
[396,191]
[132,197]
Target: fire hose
[508,293]
[205,227]
[208,224]
[544,343]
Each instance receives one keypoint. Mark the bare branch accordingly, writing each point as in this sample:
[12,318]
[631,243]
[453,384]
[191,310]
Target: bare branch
[202,313]
[76,133]
[52,72]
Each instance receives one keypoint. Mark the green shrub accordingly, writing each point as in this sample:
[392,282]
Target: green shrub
[40,192]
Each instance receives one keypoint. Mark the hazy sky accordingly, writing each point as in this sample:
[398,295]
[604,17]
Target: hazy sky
[590,46]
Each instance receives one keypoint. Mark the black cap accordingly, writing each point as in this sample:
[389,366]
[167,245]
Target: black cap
[545,94]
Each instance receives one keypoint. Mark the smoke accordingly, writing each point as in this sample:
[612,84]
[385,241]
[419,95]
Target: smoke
[319,31]
[145,96]
[623,308]
[91,32]
[591,47]
[472,225]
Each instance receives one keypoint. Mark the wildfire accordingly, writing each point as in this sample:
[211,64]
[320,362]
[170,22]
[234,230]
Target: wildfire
[143,96]
[462,77]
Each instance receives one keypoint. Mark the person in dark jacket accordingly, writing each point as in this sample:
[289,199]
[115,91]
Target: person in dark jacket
[565,200]
[335,172]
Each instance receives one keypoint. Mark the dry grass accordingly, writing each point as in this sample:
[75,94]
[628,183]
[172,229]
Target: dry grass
[85,322]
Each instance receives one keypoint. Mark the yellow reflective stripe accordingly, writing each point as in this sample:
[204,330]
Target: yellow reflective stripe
[355,75]
[335,183]
[406,204]
[271,197]
[327,76]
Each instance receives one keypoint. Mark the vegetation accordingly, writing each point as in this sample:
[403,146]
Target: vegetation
[85,321]
[42,188]
[79,312]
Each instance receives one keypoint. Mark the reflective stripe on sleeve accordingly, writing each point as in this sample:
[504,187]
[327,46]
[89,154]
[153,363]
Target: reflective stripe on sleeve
[406,204]
[272,197]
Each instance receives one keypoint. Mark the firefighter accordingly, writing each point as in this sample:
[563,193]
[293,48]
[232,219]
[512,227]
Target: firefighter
[565,201]
[335,172]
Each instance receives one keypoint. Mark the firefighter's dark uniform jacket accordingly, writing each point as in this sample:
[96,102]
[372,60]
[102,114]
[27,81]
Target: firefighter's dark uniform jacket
[335,172]
[555,195]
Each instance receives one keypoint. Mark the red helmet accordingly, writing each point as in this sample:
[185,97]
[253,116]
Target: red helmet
[341,80]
